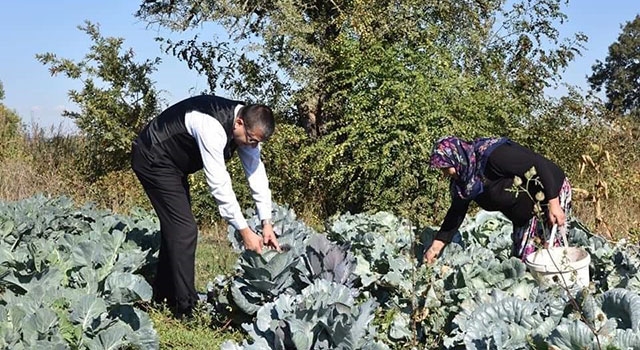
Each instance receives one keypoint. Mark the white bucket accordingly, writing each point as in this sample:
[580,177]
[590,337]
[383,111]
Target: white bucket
[570,265]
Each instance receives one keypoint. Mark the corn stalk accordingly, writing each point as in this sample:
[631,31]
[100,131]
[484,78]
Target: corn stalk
[600,191]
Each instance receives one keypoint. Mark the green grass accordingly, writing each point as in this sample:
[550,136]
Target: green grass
[192,334]
[214,256]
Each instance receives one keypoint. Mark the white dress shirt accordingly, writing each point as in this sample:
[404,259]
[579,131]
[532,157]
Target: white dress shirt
[211,139]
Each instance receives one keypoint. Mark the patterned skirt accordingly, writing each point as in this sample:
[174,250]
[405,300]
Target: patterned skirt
[524,237]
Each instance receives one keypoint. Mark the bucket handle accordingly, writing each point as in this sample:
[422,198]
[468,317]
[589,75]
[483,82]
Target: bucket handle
[552,237]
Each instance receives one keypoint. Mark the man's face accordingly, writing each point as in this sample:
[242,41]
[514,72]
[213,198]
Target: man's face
[245,137]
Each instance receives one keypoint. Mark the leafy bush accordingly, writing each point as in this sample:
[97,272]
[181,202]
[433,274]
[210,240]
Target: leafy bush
[117,98]
[10,132]
[288,170]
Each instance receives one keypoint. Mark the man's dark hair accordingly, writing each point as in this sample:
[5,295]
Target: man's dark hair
[259,117]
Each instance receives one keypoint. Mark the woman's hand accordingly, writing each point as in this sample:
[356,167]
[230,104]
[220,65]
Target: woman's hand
[556,214]
[433,251]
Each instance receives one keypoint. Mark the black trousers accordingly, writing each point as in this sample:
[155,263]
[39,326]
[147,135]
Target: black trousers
[168,190]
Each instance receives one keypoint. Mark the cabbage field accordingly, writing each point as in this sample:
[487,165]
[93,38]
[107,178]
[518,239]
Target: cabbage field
[72,278]
[76,278]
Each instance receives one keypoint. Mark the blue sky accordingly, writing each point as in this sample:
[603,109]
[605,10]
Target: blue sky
[28,27]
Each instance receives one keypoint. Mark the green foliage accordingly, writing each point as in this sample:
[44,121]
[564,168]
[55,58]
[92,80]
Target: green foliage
[283,157]
[10,130]
[563,129]
[323,316]
[71,278]
[117,99]
[383,245]
[261,278]
[288,170]
[300,296]
[298,55]
[376,156]
[10,133]
[203,206]
[375,84]
[450,304]
[620,72]
[287,160]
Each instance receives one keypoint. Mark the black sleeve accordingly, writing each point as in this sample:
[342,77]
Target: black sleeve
[452,221]
[515,160]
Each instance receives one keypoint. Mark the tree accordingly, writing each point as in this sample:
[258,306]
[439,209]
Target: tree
[284,53]
[619,75]
[10,129]
[375,83]
[117,99]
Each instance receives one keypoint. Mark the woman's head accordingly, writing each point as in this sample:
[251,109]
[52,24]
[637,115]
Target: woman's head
[450,152]
[462,162]
[449,172]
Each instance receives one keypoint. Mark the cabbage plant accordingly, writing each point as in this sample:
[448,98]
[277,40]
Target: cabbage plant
[71,277]
[475,296]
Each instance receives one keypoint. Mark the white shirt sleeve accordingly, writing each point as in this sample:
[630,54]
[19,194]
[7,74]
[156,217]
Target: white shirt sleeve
[256,175]
[211,139]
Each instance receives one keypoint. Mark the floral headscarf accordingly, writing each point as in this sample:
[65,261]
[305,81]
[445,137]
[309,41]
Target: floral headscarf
[468,158]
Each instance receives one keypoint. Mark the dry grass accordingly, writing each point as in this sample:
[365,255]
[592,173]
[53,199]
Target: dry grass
[19,179]
[606,196]
[621,215]
[52,162]
[38,161]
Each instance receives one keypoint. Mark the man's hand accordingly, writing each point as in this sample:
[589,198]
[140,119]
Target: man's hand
[433,251]
[251,240]
[556,214]
[269,236]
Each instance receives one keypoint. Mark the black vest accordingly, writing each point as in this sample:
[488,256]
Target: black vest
[166,140]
